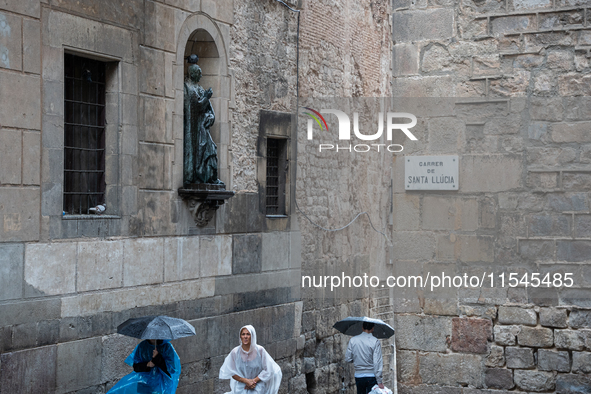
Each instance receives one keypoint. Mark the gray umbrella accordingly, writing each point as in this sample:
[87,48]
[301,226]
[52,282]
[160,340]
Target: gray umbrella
[353,325]
[156,327]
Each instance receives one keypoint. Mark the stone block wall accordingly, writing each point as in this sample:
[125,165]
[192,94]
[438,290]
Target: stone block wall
[496,48]
[516,77]
[95,363]
[96,285]
[508,217]
[526,349]
[144,46]
[20,125]
[67,281]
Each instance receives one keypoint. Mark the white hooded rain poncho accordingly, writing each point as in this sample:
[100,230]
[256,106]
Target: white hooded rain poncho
[249,365]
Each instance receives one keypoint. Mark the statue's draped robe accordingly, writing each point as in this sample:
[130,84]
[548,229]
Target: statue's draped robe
[200,152]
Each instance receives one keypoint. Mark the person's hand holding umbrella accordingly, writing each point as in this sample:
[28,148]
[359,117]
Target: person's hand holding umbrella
[154,351]
[154,354]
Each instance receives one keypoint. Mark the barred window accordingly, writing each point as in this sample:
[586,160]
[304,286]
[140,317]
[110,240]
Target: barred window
[276,176]
[84,134]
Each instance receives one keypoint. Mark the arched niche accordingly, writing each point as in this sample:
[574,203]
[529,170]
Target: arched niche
[201,43]
[201,36]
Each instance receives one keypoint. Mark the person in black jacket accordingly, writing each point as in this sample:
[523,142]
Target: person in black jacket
[156,367]
[156,361]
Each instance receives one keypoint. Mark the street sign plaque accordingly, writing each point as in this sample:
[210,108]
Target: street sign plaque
[431,172]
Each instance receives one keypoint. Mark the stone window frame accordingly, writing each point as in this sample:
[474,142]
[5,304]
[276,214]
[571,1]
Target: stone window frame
[112,116]
[276,125]
[116,47]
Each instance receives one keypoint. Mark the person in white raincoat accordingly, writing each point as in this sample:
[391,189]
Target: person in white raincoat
[250,368]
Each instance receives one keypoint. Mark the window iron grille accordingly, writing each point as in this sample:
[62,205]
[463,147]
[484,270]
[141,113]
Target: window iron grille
[276,176]
[84,134]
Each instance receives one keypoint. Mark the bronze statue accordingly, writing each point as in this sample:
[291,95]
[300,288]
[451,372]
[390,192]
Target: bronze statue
[200,152]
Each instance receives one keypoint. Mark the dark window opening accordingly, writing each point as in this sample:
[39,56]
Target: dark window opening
[84,134]
[311,382]
[276,176]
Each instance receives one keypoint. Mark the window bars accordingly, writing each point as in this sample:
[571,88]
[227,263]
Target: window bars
[276,176]
[84,134]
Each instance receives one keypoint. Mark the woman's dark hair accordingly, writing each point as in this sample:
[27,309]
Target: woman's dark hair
[367,325]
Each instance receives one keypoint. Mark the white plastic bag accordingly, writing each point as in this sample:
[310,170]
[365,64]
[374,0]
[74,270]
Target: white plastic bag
[377,390]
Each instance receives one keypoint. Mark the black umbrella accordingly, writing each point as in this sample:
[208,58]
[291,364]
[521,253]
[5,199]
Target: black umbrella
[156,327]
[354,326]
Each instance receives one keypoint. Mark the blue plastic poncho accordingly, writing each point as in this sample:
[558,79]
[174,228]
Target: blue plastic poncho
[156,381]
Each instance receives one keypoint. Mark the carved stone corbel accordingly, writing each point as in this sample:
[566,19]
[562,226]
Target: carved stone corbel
[203,200]
[202,212]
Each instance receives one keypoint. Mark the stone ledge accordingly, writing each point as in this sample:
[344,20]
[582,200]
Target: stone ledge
[582,170]
[486,77]
[89,217]
[521,13]
[501,53]
[562,30]
[482,101]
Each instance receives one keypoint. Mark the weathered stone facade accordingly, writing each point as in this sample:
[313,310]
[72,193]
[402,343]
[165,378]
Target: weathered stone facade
[68,280]
[508,91]
[516,75]
[345,51]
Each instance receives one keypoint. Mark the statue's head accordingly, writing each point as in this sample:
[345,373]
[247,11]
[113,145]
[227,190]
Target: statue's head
[194,73]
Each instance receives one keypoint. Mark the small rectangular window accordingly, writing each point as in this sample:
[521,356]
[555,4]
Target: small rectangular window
[84,134]
[276,176]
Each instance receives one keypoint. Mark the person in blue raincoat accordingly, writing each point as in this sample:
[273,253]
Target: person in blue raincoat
[156,367]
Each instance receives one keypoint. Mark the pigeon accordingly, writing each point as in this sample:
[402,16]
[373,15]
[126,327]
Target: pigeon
[99,209]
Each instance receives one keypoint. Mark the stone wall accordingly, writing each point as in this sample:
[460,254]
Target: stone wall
[529,349]
[522,69]
[67,281]
[145,46]
[217,283]
[345,51]
[92,359]
[263,57]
